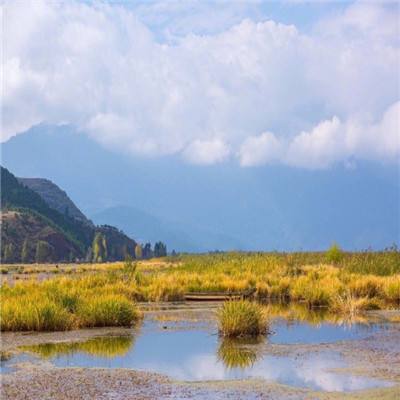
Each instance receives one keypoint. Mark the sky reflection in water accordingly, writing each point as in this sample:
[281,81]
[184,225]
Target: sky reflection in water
[197,354]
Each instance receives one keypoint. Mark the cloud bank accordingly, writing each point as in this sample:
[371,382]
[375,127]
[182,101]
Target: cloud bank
[261,92]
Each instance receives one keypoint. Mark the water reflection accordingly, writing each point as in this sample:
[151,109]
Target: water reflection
[108,347]
[198,354]
[238,353]
[299,312]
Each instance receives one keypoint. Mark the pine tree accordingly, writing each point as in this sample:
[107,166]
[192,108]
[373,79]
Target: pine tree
[160,249]
[147,251]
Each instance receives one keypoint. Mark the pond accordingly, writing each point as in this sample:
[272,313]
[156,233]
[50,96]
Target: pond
[189,349]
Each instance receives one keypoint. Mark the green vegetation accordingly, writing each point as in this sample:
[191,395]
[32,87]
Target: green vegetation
[160,249]
[16,196]
[99,247]
[334,255]
[43,251]
[241,318]
[34,230]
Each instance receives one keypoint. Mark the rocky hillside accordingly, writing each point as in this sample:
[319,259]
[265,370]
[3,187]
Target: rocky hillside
[34,229]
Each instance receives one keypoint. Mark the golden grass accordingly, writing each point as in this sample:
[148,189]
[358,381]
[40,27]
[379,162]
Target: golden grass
[66,303]
[297,277]
[241,318]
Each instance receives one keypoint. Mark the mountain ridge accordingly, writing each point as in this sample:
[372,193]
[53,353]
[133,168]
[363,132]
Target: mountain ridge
[266,208]
[32,230]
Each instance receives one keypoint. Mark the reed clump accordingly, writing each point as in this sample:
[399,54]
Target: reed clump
[242,318]
[349,305]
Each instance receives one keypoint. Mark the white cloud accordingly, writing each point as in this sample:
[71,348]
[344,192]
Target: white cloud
[329,142]
[206,152]
[259,150]
[208,94]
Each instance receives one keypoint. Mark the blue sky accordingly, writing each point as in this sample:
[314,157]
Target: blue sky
[304,84]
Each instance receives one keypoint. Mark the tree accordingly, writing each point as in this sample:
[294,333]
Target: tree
[25,252]
[334,254]
[138,252]
[43,252]
[8,253]
[147,252]
[99,248]
[160,249]
[89,255]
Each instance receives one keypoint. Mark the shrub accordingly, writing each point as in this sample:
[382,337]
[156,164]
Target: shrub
[334,254]
[241,318]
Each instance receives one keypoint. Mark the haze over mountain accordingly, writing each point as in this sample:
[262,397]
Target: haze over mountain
[222,206]
[39,222]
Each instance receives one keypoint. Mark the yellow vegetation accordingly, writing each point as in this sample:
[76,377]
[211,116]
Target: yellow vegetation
[104,294]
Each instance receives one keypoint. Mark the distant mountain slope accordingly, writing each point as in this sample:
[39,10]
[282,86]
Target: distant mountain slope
[148,228]
[55,198]
[23,232]
[220,206]
[34,231]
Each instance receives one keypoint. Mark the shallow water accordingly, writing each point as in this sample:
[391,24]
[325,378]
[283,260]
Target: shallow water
[190,351]
[295,332]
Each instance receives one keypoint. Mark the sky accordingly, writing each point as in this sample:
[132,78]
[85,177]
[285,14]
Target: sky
[297,83]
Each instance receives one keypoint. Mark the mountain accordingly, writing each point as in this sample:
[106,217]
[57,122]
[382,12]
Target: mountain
[148,228]
[33,229]
[55,198]
[221,206]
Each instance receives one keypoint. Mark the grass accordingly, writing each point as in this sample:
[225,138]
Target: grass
[64,304]
[349,305]
[241,318]
[105,294]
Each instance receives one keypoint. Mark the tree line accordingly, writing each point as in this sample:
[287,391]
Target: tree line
[43,252]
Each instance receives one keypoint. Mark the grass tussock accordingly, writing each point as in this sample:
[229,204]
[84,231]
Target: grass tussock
[242,318]
[111,310]
[348,305]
